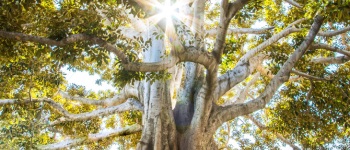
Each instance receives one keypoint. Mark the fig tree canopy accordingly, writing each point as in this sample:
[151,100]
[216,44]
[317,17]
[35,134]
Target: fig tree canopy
[188,74]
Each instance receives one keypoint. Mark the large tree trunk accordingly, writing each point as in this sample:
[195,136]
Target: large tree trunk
[163,130]
[165,127]
[159,131]
[174,128]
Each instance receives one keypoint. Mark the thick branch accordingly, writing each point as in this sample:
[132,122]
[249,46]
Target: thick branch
[93,137]
[69,40]
[190,54]
[330,48]
[223,114]
[127,106]
[334,33]
[241,71]
[125,93]
[231,78]
[205,97]
[293,3]
[198,22]
[166,63]
[267,43]
[234,7]
[331,60]
[202,57]
[242,31]
[263,127]
[227,11]
[143,67]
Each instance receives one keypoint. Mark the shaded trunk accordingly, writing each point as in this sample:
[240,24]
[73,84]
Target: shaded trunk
[188,142]
[163,126]
[164,129]
[159,131]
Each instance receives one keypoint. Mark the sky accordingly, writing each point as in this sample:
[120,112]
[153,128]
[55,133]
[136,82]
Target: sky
[85,79]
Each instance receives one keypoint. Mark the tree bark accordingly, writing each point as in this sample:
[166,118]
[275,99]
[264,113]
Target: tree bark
[159,131]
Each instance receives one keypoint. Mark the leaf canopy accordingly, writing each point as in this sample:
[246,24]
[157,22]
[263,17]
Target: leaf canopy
[312,113]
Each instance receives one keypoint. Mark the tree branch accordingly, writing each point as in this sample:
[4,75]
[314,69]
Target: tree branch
[125,93]
[227,11]
[330,48]
[267,43]
[198,22]
[293,3]
[262,127]
[126,106]
[331,60]
[241,71]
[166,63]
[334,33]
[92,137]
[212,32]
[307,76]
[68,40]
[223,114]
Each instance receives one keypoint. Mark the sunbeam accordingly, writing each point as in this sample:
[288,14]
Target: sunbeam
[171,13]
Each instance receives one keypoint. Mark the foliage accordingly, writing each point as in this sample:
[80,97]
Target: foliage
[314,114]
[22,127]
[319,120]
[324,109]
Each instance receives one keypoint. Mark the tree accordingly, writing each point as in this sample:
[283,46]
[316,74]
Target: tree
[188,68]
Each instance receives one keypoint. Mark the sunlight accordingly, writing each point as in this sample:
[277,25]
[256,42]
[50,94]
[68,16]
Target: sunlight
[171,13]
[167,10]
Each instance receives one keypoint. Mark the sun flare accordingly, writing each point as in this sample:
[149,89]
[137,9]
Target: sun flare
[167,10]
[171,13]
